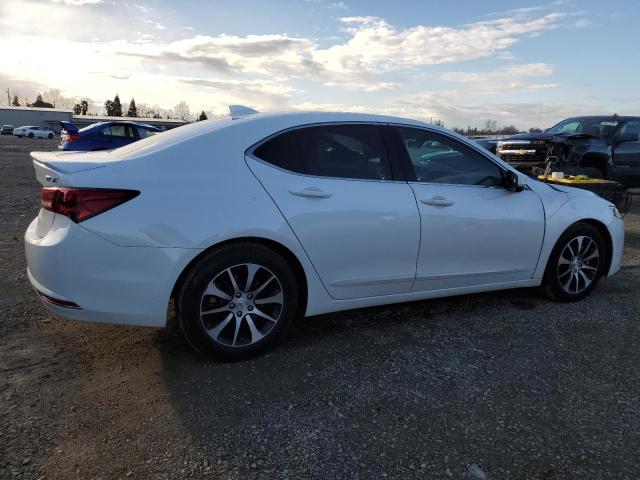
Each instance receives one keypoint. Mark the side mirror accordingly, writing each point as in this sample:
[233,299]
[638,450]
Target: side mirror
[626,138]
[511,182]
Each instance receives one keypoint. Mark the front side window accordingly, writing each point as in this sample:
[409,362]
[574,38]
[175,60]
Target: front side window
[144,132]
[341,151]
[439,159]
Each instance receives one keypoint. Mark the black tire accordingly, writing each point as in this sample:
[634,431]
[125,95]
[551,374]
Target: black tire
[30,135]
[216,265]
[50,136]
[19,136]
[558,271]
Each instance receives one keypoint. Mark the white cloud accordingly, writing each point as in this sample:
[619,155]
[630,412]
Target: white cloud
[78,2]
[509,78]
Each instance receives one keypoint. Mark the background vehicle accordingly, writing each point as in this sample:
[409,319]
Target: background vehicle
[599,146]
[103,135]
[487,143]
[249,223]
[33,132]
[6,130]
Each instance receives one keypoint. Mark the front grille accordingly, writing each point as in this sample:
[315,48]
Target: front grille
[537,158]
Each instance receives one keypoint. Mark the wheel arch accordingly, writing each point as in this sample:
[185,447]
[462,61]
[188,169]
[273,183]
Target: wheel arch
[602,230]
[279,248]
[596,160]
[606,236]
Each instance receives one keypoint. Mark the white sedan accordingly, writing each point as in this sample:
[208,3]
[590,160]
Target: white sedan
[33,131]
[249,223]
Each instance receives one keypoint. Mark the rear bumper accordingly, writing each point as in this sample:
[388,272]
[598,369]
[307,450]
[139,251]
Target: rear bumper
[106,282]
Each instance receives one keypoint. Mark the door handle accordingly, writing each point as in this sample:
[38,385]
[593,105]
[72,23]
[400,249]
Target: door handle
[437,201]
[310,192]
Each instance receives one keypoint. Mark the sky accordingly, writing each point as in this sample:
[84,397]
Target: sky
[524,63]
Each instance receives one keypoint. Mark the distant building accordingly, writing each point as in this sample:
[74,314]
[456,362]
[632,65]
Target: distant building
[51,118]
[31,116]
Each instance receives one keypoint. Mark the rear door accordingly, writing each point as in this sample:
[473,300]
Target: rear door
[474,231]
[336,188]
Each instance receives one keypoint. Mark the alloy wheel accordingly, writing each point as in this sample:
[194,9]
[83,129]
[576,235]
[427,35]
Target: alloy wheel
[578,264]
[241,305]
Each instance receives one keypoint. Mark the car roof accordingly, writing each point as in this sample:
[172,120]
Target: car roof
[261,125]
[125,122]
[603,117]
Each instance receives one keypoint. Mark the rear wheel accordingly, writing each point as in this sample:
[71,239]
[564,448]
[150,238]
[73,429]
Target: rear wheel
[576,264]
[238,301]
[50,136]
[30,135]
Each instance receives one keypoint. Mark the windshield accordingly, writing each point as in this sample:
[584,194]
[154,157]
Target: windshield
[597,127]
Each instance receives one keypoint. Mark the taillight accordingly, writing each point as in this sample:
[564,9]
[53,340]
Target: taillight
[80,204]
[70,136]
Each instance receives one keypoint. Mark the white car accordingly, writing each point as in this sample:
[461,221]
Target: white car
[249,223]
[33,132]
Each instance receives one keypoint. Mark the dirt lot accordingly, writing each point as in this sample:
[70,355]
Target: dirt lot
[524,387]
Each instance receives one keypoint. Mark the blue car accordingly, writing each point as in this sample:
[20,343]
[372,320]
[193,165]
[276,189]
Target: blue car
[103,135]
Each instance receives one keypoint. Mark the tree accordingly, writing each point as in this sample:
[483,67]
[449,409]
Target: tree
[182,111]
[116,106]
[490,125]
[41,103]
[77,108]
[84,107]
[15,102]
[535,130]
[203,116]
[55,98]
[113,107]
[133,111]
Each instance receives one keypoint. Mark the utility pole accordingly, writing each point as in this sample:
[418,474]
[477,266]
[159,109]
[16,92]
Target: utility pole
[8,98]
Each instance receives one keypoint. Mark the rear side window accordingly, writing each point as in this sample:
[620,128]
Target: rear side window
[281,151]
[339,151]
[119,131]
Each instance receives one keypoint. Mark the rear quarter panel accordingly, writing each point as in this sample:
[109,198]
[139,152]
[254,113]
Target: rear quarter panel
[194,195]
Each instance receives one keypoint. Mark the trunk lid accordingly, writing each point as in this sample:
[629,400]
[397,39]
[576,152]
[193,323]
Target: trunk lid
[54,168]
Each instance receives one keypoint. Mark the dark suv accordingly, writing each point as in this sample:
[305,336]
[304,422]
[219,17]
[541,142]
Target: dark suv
[598,146]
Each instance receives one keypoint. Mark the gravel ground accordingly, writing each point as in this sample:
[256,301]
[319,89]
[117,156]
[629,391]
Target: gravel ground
[502,386]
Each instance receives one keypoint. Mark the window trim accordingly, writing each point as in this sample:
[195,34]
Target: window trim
[408,166]
[250,152]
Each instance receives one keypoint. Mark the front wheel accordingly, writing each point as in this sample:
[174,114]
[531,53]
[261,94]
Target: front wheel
[50,136]
[238,301]
[576,264]
[31,135]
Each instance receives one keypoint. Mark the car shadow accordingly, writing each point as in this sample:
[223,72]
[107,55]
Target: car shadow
[351,385]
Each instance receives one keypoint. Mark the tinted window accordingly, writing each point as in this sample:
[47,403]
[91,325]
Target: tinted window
[439,159]
[281,151]
[144,133]
[345,151]
[119,131]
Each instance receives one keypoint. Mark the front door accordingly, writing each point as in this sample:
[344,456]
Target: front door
[626,156]
[474,232]
[334,185]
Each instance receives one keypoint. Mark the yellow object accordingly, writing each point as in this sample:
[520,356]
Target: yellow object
[573,179]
